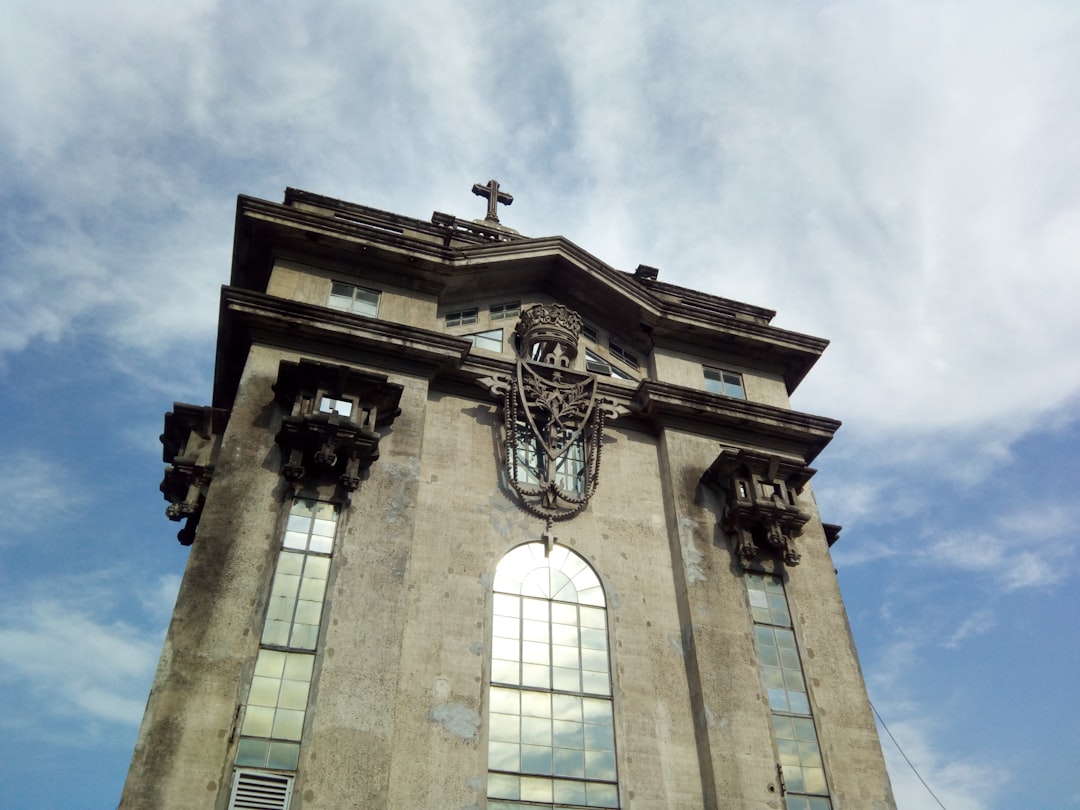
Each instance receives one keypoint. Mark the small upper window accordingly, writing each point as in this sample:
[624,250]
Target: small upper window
[342,407]
[589,332]
[350,298]
[492,340]
[499,312]
[728,383]
[462,318]
[623,354]
[598,365]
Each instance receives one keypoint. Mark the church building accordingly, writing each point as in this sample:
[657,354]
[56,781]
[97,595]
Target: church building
[479,521]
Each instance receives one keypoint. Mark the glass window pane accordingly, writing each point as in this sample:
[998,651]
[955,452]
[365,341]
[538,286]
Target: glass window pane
[566,707]
[536,730]
[535,790]
[316,567]
[308,612]
[298,666]
[505,700]
[283,755]
[564,634]
[569,762]
[596,683]
[288,724]
[567,791]
[258,721]
[536,675]
[778,700]
[290,563]
[599,738]
[505,727]
[815,780]
[295,540]
[600,765]
[602,795]
[804,729]
[562,613]
[294,695]
[567,734]
[535,759]
[504,756]
[567,680]
[276,631]
[505,649]
[799,703]
[502,786]
[505,672]
[270,663]
[536,704]
[264,691]
[304,636]
[252,753]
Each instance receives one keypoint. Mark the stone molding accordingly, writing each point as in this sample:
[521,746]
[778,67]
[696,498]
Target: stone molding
[190,446]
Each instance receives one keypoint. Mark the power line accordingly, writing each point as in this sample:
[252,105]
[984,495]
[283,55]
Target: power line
[905,756]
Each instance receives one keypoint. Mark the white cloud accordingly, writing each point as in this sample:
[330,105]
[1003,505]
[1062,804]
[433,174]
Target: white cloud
[960,783]
[41,496]
[980,622]
[74,664]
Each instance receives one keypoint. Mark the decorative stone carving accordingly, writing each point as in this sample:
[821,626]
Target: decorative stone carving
[758,510]
[553,420]
[190,446]
[331,422]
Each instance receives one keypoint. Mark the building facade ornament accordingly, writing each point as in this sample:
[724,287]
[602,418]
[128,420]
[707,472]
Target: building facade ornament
[189,447]
[553,419]
[329,431]
[758,511]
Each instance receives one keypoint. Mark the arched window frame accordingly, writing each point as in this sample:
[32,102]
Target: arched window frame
[550,730]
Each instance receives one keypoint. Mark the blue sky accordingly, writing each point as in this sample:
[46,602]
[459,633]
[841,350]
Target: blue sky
[902,178]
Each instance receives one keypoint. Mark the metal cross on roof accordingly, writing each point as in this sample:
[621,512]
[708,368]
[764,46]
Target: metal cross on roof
[494,197]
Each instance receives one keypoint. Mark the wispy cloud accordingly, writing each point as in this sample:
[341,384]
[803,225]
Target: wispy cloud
[75,664]
[39,496]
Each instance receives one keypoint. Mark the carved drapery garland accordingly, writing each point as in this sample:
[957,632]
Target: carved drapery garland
[317,446]
[757,509]
[552,416]
[190,445]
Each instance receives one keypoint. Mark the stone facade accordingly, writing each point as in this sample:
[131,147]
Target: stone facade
[691,490]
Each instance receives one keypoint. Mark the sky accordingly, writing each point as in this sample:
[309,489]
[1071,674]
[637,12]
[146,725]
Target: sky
[902,178]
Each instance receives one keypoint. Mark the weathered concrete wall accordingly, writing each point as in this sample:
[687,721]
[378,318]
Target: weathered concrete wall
[183,757]
[683,368]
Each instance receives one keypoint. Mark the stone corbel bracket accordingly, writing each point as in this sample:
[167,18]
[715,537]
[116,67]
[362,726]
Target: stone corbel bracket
[332,415]
[190,446]
[758,508]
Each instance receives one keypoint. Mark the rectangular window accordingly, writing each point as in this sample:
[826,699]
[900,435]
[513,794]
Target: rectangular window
[727,383]
[589,332]
[785,686]
[499,312]
[598,365]
[350,298]
[462,318]
[623,354]
[492,340]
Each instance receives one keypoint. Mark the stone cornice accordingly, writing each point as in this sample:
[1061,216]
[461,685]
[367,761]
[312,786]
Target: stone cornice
[251,317]
[672,405]
[430,257]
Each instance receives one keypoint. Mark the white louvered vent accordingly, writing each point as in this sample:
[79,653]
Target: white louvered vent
[259,790]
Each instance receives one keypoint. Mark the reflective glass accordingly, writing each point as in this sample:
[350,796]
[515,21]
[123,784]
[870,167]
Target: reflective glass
[563,735]
[569,762]
[252,753]
[283,755]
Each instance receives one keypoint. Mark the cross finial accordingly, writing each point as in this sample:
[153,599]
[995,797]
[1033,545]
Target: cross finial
[494,197]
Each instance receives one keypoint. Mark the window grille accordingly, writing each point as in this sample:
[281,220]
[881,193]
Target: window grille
[257,790]
[462,318]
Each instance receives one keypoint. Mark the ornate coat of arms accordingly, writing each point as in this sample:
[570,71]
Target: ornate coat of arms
[553,418]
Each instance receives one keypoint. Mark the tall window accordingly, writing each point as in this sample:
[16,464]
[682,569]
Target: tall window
[351,298]
[782,673]
[551,738]
[278,699]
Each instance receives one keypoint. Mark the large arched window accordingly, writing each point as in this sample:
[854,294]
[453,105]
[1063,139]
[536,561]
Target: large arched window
[551,738]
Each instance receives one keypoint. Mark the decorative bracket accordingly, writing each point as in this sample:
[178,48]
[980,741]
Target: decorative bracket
[332,415]
[190,446]
[758,510]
